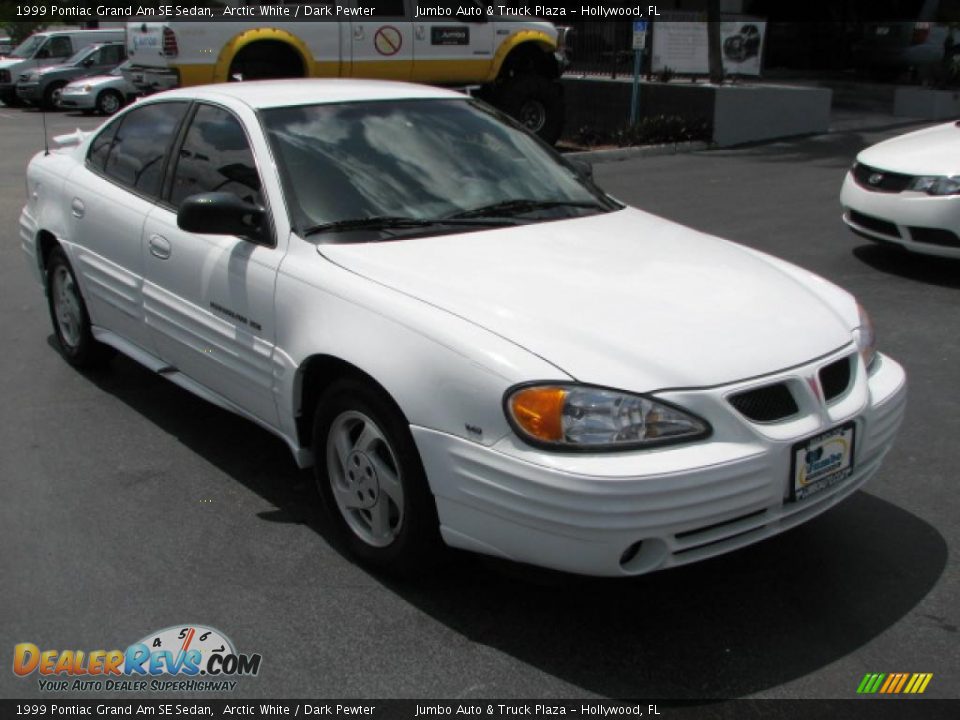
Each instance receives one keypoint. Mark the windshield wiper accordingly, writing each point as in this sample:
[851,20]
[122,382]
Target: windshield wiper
[514,207]
[387,222]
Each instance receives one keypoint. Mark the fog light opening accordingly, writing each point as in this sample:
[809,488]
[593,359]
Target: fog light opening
[630,553]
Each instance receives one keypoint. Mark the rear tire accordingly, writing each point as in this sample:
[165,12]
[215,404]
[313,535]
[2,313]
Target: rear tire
[536,102]
[68,312]
[371,480]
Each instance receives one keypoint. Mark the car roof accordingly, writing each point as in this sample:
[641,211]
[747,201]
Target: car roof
[285,93]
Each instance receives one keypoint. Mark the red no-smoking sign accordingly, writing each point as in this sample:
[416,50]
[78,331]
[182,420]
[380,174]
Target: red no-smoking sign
[388,40]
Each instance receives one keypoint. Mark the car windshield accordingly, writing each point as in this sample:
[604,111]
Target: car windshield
[27,47]
[418,166]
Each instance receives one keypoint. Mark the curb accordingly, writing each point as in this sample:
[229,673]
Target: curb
[642,151]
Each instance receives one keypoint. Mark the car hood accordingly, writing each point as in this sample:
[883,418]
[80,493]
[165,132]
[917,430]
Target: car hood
[9,62]
[94,80]
[624,299]
[932,151]
[58,70]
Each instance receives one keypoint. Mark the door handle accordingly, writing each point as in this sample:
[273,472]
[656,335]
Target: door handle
[159,247]
[77,208]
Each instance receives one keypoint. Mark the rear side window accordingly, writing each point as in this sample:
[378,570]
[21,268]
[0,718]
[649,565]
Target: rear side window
[215,157]
[138,149]
[100,147]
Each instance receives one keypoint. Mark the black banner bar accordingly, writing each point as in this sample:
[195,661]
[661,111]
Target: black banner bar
[859,709]
[560,12]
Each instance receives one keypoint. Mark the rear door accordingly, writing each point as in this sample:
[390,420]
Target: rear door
[109,199]
[208,299]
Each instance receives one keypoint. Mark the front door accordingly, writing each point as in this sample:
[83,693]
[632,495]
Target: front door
[208,299]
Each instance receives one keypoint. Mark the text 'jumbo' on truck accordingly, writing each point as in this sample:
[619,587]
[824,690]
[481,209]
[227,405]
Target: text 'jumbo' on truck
[517,62]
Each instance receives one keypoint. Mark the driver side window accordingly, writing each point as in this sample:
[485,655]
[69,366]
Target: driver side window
[215,157]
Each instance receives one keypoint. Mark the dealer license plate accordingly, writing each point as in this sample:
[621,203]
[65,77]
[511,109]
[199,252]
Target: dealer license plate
[822,461]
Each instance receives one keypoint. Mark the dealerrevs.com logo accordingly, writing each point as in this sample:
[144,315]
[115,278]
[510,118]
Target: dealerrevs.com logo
[179,658]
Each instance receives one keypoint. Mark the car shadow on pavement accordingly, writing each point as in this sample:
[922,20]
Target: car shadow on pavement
[894,260]
[727,627]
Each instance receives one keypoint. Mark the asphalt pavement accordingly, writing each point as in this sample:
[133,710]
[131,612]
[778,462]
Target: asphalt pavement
[127,506]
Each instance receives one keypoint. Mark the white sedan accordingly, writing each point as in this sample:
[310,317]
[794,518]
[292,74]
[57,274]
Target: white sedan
[906,192]
[469,341]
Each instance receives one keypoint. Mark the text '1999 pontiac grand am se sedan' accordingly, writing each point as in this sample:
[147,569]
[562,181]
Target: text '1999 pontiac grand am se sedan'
[471,342]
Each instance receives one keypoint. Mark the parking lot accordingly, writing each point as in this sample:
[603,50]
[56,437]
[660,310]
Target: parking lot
[127,505]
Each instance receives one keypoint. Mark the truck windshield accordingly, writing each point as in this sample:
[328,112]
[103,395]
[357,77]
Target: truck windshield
[425,165]
[28,47]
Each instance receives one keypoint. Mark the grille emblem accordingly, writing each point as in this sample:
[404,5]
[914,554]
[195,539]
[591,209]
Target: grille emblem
[875,178]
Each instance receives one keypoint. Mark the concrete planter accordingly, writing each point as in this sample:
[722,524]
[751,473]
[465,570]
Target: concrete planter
[926,103]
[739,114]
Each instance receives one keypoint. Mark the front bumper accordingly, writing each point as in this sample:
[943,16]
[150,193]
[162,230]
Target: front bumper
[902,217]
[28,92]
[635,512]
[79,100]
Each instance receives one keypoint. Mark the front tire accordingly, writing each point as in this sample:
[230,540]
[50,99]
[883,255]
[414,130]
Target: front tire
[536,102]
[68,312]
[108,102]
[371,480]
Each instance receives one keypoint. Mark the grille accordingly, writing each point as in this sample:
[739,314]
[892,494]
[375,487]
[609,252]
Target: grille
[876,224]
[766,404]
[834,379]
[889,182]
[934,236]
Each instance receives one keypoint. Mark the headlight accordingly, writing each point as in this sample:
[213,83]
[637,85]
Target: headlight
[585,418]
[866,338]
[935,185]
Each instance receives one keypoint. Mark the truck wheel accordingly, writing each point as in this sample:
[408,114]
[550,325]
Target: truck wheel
[536,102]
[51,96]
[71,324]
[108,102]
[371,480]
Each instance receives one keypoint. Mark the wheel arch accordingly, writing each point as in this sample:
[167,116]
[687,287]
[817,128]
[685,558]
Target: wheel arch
[525,49]
[248,38]
[46,242]
[317,373]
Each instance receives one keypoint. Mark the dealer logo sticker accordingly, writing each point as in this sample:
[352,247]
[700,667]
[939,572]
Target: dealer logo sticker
[178,658]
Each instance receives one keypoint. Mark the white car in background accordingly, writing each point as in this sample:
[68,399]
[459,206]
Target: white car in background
[906,191]
[470,341]
[104,94]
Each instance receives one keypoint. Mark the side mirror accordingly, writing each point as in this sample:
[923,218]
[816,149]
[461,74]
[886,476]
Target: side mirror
[88,62]
[220,213]
[583,167]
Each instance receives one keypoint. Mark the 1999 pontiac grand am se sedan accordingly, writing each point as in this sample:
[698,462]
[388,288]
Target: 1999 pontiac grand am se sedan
[470,341]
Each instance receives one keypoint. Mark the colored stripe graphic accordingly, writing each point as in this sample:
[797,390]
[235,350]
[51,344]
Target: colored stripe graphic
[894,683]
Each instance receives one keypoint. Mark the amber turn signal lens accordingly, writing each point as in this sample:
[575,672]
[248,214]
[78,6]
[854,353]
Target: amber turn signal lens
[539,411]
